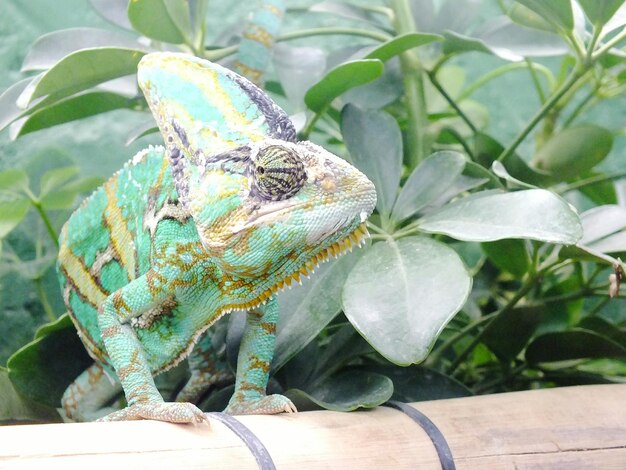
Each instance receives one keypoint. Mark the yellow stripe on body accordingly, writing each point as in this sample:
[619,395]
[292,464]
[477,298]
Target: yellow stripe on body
[121,238]
[80,277]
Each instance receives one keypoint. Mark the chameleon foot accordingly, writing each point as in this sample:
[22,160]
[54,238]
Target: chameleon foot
[160,411]
[266,405]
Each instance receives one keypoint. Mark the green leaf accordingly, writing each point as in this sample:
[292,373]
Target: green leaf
[615,243]
[11,214]
[509,255]
[536,214]
[42,370]
[557,12]
[400,44]
[346,391]
[64,198]
[341,79]
[13,180]
[526,17]
[306,310]
[499,170]
[142,130]
[346,10]
[72,109]
[16,410]
[509,332]
[513,42]
[418,383]
[9,110]
[487,151]
[54,178]
[574,344]
[574,151]
[418,286]
[115,11]
[82,70]
[604,328]
[52,47]
[153,19]
[599,12]
[430,179]
[374,141]
[456,43]
[602,221]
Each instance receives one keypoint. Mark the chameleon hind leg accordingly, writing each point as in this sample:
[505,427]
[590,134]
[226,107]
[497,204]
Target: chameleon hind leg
[86,398]
[208,367]
[253,366]
[128,358]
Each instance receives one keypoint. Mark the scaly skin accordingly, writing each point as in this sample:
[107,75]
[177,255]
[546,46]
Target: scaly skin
[227,214]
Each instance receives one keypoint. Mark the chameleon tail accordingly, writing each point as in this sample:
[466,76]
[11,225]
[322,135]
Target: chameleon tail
[255,48]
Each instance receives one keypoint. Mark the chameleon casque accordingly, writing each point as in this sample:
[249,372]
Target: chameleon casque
[228,213]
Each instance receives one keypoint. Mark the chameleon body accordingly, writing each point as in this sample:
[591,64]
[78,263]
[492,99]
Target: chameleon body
[229,212]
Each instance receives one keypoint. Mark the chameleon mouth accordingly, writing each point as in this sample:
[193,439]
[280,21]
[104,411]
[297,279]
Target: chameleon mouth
[355,238]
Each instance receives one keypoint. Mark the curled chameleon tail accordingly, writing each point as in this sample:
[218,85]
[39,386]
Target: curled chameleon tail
[255,48]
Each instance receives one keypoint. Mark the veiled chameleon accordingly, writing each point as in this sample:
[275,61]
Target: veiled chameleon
[231,210]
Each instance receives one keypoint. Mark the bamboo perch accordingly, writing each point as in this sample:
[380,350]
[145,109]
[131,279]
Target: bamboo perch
[576,427]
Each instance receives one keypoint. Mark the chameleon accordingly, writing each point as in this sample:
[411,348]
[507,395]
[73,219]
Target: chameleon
[231,210]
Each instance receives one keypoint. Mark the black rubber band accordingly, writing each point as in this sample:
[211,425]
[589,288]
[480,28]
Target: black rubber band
[440,443]
[258,450]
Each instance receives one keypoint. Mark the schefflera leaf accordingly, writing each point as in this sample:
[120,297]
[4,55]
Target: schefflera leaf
[536,214]
[428,181]
[402,293]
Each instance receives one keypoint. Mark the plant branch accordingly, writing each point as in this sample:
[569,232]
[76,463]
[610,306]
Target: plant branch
[413,87]
[480,82]
[46,221]
[535,79]
[591,181]
[306,33]
[574,76]
[43,298]
[451,102]
[519,295]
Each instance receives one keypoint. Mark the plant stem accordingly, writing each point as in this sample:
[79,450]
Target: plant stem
[608,45]
[305,33]
[451,102]
[535,79]
[574,76]
[591,181]
[501,71]
[43,298]
[525,289]
[46,221]
[579,108]
[413,87]
[434,356]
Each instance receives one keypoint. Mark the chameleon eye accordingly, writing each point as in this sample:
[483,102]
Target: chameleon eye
[278,173]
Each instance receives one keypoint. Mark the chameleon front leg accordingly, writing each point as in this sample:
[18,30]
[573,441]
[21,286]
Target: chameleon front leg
[253,365]
[128,358]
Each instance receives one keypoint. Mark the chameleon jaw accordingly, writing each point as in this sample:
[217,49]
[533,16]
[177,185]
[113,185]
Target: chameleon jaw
[355,238]
[338,248]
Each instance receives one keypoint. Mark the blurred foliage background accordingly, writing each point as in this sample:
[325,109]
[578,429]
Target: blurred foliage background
[518,298]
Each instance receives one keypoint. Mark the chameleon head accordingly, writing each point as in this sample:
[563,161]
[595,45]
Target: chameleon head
[266,207]
[274,209]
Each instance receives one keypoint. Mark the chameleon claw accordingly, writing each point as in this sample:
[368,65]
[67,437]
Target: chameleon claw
[160,411]
[266,405]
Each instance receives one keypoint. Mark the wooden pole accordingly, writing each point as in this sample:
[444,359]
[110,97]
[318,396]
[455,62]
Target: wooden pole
[575,427]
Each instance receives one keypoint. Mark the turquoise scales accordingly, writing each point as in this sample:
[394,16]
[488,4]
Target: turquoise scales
[259,35]
[227,214]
